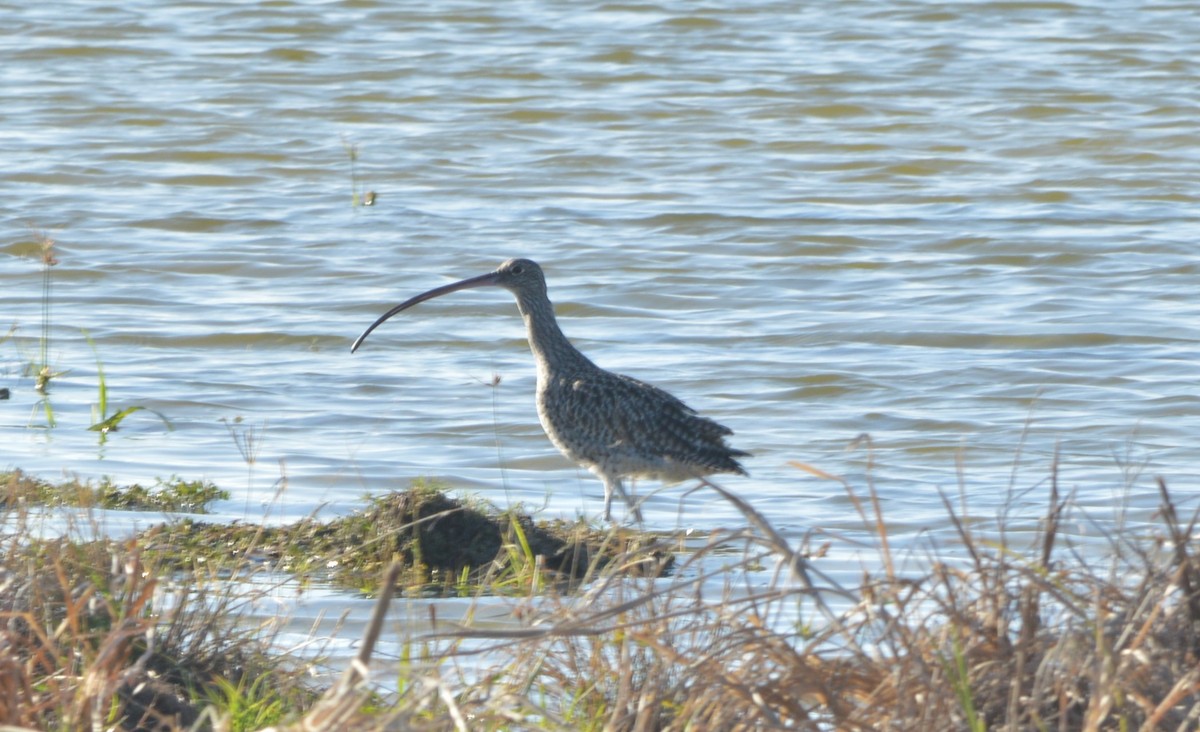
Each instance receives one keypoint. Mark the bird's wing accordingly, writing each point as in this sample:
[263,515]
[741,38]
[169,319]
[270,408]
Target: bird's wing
[646,420]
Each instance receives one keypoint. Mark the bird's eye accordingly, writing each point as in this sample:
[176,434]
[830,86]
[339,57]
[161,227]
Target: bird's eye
[517,269]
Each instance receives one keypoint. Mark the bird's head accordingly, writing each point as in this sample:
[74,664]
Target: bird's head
[520,276]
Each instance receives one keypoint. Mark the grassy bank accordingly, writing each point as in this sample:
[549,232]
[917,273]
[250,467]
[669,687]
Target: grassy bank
[141,633]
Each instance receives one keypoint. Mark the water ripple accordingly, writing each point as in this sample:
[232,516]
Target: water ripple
[967,228]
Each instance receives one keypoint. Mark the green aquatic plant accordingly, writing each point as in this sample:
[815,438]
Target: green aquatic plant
[351,149]
[958,674]
[446,546]
[248,440]
[358,197]
[247,705]
[102,421]
[174,495]
[39,367]
[42,370]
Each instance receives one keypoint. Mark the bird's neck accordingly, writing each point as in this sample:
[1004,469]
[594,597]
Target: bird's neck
[551,349]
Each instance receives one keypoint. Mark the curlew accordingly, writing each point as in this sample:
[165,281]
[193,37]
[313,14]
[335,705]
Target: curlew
[615,426]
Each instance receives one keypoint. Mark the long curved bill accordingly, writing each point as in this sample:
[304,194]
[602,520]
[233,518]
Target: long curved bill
[491,278]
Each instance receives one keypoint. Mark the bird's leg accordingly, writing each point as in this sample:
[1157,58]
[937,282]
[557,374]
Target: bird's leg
[614,485]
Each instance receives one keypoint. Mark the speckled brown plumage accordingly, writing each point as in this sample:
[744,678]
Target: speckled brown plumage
[613,425]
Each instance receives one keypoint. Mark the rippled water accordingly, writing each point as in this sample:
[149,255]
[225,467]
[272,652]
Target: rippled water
[967,229]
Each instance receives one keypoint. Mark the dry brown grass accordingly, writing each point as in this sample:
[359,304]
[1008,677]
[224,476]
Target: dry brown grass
[92,638]
[1018,638]
[1036,636]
